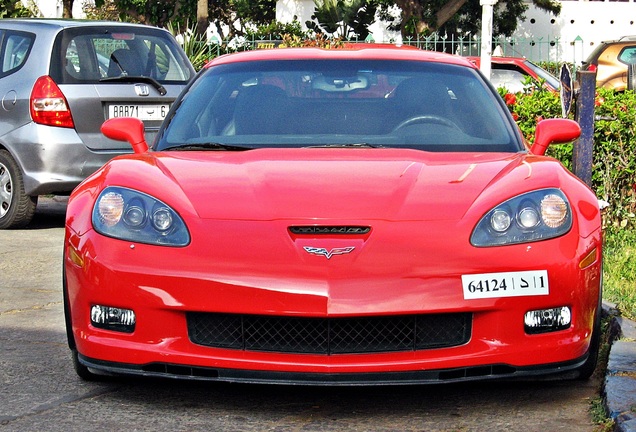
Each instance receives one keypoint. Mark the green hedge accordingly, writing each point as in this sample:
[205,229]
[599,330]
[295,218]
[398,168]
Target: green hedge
[614,158]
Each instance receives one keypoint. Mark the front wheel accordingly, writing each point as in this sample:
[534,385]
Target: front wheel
[586,370]
[82,371]
[16,207]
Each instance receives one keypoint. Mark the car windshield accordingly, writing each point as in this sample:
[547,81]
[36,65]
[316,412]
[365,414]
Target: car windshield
[544,74]
[368,103]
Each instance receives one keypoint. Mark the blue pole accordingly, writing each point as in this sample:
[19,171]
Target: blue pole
[584,146]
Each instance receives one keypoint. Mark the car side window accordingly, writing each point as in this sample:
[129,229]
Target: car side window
[15,50]
[511,80]
[628,55]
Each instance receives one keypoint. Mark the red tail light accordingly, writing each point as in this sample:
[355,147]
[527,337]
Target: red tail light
[48,104]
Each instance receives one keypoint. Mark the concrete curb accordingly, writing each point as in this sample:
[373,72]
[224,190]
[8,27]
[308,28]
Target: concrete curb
[619,390]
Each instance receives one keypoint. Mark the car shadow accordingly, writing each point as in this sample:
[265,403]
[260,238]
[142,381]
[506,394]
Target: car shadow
[50,212]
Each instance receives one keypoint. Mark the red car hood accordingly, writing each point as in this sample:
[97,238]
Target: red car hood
[347,184]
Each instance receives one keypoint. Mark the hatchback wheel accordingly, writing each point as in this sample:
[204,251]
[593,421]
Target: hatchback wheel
[16,207]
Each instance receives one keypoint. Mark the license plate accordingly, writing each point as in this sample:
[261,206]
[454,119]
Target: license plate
[142,112]
[511,284]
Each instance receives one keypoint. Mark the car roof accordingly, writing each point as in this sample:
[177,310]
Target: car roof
[57,23]
[624,39]
[498,59]
[373,52]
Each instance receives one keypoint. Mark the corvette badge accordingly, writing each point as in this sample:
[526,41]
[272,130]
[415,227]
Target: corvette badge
[328,253]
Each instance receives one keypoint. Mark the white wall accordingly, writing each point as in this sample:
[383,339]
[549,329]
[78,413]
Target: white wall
[53,8]
[581,25]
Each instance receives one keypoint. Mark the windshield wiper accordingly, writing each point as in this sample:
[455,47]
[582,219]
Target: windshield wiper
[135,79]
[345,145]
[207,146]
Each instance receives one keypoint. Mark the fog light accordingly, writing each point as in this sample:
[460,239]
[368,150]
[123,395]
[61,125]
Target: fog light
[111,318]
[547,320]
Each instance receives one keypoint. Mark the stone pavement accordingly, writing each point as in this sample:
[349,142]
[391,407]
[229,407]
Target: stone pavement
[620,380]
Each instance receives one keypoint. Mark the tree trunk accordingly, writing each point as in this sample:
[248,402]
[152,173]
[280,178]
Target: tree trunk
[202,17]
[447,11]
[412,11]
[67,8]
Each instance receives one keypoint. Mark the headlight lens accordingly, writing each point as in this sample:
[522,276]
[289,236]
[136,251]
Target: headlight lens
[130,215]
[533,216]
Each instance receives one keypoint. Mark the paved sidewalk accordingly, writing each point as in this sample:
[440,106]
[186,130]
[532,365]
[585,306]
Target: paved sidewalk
[620,380]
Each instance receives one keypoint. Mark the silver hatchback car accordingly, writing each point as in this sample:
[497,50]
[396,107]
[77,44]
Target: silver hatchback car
[59,81]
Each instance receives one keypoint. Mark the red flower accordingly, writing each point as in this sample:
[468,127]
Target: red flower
[510,99]
[515,116]
[599,101]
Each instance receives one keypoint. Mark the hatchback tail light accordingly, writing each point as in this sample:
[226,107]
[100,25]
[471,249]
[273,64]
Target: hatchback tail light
[48,104]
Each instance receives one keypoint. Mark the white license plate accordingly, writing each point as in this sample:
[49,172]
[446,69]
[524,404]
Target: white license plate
[142,112]
[511,284]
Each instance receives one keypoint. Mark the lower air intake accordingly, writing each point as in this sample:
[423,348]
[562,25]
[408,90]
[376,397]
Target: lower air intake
[328,336]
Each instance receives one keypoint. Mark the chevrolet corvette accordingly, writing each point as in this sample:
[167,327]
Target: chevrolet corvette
[358,216]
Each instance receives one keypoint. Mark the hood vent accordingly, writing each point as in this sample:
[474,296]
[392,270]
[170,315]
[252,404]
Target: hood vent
[329,229]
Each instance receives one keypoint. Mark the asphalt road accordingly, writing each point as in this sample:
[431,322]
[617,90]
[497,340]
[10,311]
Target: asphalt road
[40,391]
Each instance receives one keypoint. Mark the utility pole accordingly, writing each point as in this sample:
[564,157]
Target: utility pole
[487,7]
[583,150]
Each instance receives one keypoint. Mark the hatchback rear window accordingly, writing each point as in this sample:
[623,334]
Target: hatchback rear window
[96,55]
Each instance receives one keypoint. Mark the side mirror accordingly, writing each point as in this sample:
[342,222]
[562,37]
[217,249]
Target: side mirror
[554,131]
[126,129]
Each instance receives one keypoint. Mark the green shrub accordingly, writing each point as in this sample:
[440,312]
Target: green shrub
[614,168]
[619,275]
[276,30]
[614,164]
[194,45]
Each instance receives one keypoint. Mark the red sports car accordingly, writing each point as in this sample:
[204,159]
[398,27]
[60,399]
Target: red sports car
[345,216]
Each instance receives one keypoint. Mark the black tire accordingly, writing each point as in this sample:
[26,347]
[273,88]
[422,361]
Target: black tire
[16,207]
[586,370]
[82,371]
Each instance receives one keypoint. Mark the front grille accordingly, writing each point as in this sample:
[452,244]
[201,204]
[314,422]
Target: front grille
[328,229]
[329,335]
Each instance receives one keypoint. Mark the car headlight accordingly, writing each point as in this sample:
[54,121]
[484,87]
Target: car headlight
[533,216]
[130,215]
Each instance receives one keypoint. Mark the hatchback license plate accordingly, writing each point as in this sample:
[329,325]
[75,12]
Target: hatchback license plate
[142,112]
[510,284]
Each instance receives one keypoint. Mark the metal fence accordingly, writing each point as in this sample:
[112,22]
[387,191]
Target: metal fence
[537,49]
